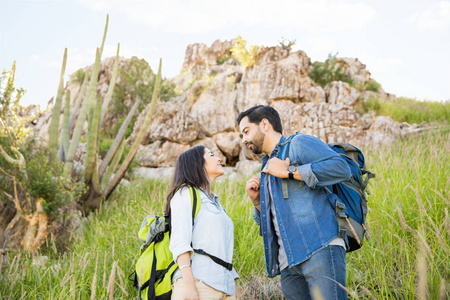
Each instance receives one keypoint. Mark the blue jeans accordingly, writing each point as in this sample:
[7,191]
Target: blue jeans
[321,271]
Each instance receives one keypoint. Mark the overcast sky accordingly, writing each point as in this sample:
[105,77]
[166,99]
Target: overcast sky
[404,44]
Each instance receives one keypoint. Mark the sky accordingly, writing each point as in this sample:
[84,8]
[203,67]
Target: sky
[405,44]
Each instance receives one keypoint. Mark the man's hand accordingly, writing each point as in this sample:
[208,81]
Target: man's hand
[278,167]
[252,189]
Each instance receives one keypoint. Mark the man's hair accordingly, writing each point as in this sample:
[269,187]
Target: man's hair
[257,113]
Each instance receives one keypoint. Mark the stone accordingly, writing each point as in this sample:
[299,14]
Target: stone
[171,121]
[229,143]
[152,173]
[159,154]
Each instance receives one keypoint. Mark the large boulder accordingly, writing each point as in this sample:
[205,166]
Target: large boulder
[159,154]
[229,143]
[171,121]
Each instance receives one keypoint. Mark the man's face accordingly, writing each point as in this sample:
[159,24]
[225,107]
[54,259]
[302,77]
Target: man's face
[252,136]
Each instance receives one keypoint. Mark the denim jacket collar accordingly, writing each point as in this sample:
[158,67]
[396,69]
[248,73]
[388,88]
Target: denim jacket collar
[275,151]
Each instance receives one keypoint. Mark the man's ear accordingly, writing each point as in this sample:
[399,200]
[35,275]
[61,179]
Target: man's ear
[264,125]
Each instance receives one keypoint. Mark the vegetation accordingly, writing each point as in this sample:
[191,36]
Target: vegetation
[405,258]
[287,44]
[245,57]
[409,110]
[326,72]
[35,187]
[221,60]
[137,82]
[373,86]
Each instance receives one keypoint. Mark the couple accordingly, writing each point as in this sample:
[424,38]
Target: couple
[299,229]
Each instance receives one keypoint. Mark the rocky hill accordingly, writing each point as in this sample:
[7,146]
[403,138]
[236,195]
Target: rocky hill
[211,95]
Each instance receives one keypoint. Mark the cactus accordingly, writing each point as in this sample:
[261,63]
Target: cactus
[112,84]
[118,140]
[123,168]
[65,128]
[97,178]
[83,112]
[54,124]
[78,101]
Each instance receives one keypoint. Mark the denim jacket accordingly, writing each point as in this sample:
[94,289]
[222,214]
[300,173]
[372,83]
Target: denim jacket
[306,219]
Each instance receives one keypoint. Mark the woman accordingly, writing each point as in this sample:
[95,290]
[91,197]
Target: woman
[198,276]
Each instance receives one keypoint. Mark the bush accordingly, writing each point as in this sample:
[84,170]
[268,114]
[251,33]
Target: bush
[245,57]
[135,83]
[373,86]
[326,72]
[223,59]
[78,76]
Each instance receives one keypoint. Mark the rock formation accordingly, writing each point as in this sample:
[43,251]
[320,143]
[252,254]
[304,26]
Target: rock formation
[210,97]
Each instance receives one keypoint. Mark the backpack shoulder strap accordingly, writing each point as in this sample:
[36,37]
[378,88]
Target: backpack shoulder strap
[284,155]
[195,201]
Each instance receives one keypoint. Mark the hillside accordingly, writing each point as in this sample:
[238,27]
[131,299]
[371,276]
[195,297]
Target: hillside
[203,101]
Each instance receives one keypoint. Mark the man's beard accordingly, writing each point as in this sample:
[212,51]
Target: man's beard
[257,143]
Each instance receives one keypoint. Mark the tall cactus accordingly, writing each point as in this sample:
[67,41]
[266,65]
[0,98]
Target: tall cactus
[112,83]
[140,136]
[65,127]
[88,102]
[97,178]
[78,100]
[54,124]
[91,149]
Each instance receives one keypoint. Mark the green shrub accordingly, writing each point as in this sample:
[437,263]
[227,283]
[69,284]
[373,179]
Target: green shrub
[137,82]
[105,144]
[78,76]
[373,86]
[223,59]
[326,72]
[245,57]
[48,181]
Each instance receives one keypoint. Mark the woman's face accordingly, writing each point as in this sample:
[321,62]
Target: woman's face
[213,165]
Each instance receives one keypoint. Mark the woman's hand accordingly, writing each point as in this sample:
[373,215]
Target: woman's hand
[190,291]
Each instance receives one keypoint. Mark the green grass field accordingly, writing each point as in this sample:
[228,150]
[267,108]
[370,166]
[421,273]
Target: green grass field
[407,256]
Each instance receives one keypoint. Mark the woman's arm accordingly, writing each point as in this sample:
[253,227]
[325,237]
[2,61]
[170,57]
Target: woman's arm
[184,263]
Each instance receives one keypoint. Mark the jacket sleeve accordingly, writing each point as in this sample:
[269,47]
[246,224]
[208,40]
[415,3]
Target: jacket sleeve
[257,218]
[181,222]
[317,163]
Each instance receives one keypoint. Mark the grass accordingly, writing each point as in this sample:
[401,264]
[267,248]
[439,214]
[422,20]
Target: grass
[410,110]
[407,256]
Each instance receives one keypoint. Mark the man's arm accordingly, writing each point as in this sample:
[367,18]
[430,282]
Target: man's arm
[317,164]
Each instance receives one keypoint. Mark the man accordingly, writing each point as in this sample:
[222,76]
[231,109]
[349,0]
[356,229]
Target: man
[299,226]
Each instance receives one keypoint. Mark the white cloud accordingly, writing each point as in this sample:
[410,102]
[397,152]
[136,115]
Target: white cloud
[202,16]
[436,17]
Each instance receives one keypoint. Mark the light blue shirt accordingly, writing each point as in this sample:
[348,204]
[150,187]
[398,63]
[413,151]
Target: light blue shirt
[213,232]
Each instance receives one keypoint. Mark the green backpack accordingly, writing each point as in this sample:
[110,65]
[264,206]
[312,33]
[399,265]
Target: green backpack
[155,266]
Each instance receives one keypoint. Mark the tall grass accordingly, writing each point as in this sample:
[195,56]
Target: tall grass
[407,256]
[410,110]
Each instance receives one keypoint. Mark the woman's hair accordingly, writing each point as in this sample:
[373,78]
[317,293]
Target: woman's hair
[190,170]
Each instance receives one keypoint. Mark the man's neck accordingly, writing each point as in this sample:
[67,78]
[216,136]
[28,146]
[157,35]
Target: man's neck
[270,141]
